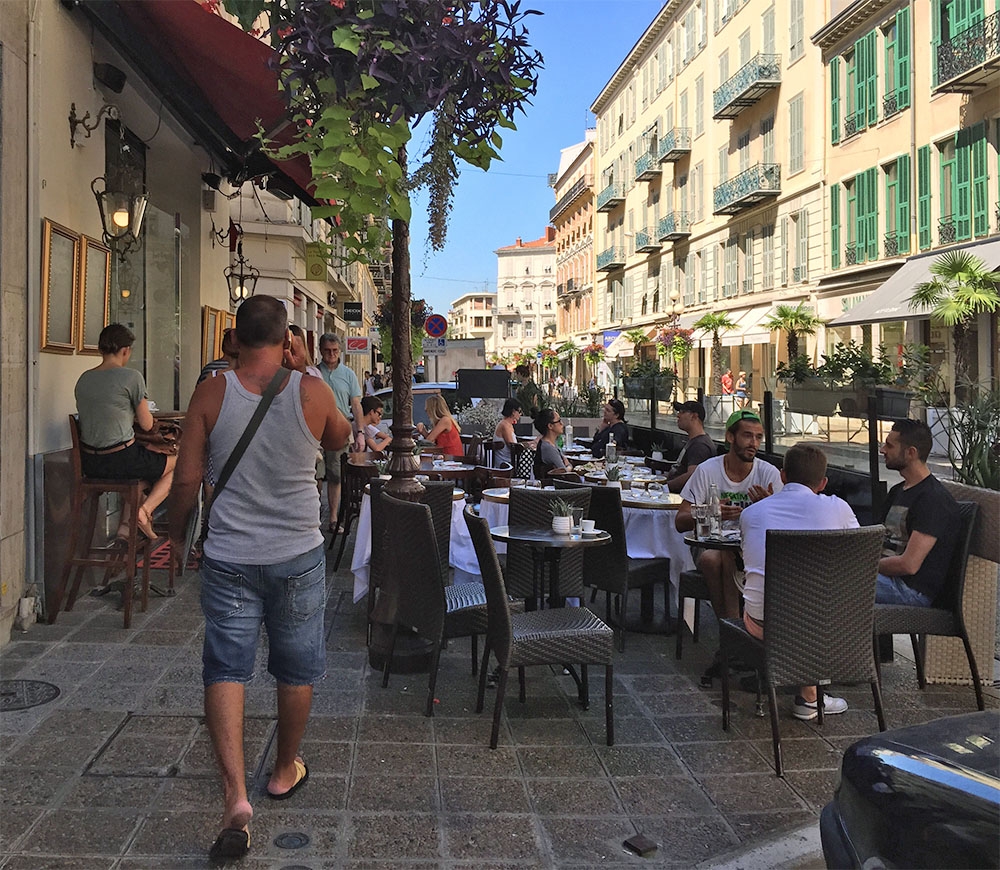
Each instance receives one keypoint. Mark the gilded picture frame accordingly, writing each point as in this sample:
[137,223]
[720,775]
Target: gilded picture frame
[94,293]
[60,284]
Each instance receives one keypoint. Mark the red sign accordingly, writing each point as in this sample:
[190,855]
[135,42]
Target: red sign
[357,344]
[436,325]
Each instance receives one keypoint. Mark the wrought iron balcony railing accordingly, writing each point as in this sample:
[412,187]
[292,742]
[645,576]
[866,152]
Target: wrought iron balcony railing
[760,74]
[645,242]
[946,229]
[569,197]
[647,167]
[674,226]
[674,145]
[851,125]
[968,60]
[851,254]
[611,259]
[748,285]
[610,198]
[890,244]
[799,274]
[891,104]
[755,185]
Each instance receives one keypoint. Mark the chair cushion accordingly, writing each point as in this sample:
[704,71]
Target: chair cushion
[904,619]
[567,634]
[646,572]
[465,610]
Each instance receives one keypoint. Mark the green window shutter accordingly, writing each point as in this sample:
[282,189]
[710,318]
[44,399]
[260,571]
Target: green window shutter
[860,217]
[903,204]
[935,38]
[903,58]
[980,182]
[860,83]
[963,185]
[872,228]
[872,92]
[835,226]
[835,100]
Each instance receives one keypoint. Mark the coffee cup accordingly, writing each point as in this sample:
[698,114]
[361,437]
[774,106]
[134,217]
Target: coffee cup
[658,455]
[587,526]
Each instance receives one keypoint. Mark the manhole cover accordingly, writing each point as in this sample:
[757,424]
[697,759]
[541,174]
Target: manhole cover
[22,694]
[291,840]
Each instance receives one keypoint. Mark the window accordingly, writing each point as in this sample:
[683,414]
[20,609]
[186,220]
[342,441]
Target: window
[645,85]
[897,206]
[743,148]
[783,252]
[698,191]
[897,64]
[729,285]
[689,36]
[796,143]
[800,272]
[703,288]
[834,226]
[767,257]
[946,164]
[478,322]
[689,279]
[767,139]
[834,72]
[851,222]
[850,93]
[866,221]
[529,328]
[747,253]
[744,48]
[723,164]
[510,330]
[683,109]
[661,68]
[702,8]
[724,67]
[796,35]
[980,182]
[767,41]
[866,82]
[699,106]
[489,322]
[682,193]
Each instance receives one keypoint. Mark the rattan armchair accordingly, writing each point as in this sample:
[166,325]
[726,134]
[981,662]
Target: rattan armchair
[353,479]
[946,617]
[531,507]
[541,637]
[610,569]
[819,604]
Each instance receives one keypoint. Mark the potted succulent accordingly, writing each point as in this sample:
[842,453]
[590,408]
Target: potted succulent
[613,473]
[562,516]
[382,465]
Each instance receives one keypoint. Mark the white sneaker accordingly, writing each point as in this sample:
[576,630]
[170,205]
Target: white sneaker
[806,710]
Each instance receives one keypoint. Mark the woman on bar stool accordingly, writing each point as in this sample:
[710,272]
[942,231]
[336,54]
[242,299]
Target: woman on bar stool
[110,400]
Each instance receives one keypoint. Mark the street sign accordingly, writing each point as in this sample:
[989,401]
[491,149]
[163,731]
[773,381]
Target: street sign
[436,326]
[352,313]
[435,346]
[357,345]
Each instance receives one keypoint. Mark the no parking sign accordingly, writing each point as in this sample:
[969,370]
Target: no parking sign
[436,326]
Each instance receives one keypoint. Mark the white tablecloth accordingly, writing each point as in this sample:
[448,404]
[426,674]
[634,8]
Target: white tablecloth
[461,556]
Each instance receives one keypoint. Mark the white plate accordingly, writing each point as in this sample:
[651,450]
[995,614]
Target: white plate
[592,534]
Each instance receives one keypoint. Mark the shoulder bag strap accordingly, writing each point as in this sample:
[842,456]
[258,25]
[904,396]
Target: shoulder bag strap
[265,402]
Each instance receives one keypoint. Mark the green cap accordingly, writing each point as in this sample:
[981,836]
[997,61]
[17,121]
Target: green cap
[742,414]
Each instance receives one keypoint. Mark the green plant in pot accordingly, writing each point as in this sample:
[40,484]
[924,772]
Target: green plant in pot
[974,436]
[863,373]
[646,376]
[613,473]
[562,516]
[716,324]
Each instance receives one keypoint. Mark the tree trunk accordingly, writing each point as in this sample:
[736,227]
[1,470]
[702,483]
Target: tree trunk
[793,344]
[960,337]
[403,465]
[716,365]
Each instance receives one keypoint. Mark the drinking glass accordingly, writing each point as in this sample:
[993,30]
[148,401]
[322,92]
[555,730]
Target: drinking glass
[654,489]
[517,482]
[577,519]
[702,518]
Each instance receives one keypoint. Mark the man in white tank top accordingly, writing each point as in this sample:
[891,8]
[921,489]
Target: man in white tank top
[263,557]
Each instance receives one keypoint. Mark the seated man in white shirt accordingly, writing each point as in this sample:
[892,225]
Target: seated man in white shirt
[798,507]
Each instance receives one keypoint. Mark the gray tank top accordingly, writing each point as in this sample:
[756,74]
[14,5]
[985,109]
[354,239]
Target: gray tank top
[269,511]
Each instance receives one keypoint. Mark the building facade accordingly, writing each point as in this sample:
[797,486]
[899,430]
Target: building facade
[912,164]
[471,316]
[573,219]
[709,188]
[525,315]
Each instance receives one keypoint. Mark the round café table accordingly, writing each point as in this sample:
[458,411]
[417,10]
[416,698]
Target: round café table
[731,544]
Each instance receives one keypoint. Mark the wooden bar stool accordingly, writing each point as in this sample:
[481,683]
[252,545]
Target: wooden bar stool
[83,554]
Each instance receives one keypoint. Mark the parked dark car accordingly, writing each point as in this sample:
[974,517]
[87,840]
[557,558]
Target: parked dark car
[924,796]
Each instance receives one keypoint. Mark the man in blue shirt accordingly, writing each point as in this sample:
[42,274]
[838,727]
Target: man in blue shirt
[346,388]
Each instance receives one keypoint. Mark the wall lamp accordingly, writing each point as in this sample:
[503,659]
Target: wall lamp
[240,276]
[76,121]
[121,216]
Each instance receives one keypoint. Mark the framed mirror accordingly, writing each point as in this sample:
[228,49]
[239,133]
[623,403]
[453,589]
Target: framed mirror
[60,280]
[209,334]
[95,286]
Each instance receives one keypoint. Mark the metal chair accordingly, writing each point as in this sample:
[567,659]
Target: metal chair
[819,604]
[413,594]
[353,479]
[531,507]
[691,584]
[82,553]
[610,569]
[542,637]
[946,617]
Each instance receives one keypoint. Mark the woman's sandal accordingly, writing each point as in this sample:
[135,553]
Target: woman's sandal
[144,523]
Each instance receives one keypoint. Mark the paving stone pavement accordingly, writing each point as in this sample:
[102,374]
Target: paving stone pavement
[117,772]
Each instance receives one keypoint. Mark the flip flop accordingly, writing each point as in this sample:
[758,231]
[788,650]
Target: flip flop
[231,845]
[303,776]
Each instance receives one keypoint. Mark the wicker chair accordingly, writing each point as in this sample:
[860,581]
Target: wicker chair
[522,457]
[610,569]
[691,584]
[437,496]
[945,618]
[819,601]
[543,637]
[530,507]
[353,479]
[413,593]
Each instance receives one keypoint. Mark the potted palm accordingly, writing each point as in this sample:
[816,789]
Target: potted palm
[716,324]
[646,378]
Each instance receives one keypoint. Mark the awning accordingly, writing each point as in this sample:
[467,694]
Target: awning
[214,77]
[891,300]
[749,328]
[620,347]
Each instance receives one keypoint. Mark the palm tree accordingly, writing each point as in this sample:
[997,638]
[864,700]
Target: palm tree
[793,322]
[960,290]
[636,337]
[716,324]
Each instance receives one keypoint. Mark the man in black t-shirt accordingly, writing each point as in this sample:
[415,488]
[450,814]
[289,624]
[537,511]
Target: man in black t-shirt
[921,519]
[699,447]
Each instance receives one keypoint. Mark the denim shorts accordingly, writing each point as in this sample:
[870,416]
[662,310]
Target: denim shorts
[894,590]
[288,598]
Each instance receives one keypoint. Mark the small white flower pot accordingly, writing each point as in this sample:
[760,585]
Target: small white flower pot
[385,477]
[614,484]
[562,525]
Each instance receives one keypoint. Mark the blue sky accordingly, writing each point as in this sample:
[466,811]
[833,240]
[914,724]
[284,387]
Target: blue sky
[583,42]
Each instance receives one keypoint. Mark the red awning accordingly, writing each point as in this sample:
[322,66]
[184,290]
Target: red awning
[228,66]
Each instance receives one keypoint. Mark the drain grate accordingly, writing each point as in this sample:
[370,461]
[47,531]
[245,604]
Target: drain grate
[291,840]
[22,694]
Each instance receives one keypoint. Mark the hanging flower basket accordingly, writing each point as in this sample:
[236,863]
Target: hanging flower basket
[550,359]
[594,353]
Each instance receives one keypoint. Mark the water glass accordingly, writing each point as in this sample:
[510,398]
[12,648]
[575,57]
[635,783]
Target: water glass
[654,489]
[577,518]
[703,520]
[517,482]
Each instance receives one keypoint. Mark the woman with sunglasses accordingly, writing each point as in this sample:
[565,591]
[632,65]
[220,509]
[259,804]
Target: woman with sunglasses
[548,457]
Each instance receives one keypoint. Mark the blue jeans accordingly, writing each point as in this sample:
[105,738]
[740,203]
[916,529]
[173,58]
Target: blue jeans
[288,598]
[892,590]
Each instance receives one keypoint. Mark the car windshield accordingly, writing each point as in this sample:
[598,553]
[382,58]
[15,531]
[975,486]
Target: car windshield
[419,399]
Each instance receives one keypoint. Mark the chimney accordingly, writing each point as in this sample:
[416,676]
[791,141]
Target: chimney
[517,244]
[550,234]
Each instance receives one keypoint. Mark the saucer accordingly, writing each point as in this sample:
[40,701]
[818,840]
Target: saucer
[592,534]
